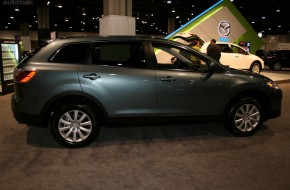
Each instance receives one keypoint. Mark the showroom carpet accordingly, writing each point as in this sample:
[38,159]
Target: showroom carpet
[200,156]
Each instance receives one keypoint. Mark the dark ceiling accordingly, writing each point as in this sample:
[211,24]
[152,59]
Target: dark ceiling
[269,16]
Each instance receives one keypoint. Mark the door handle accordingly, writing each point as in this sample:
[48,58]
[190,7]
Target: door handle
[168,79]
[92,76]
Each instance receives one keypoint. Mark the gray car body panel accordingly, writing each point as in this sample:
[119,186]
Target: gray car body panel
[122,91]
[131,92]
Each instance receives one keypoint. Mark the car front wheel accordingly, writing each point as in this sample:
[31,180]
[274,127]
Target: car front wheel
[74,125]
[245,117]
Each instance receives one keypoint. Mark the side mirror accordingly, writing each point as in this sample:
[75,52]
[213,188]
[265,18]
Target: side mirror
[212,67]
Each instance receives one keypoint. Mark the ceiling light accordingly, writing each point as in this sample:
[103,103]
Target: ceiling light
[173,10]
[168,1]
[48,2]
[16,9]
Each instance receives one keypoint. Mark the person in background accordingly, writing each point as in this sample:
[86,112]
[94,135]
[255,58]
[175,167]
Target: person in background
[195,45]
[213,50]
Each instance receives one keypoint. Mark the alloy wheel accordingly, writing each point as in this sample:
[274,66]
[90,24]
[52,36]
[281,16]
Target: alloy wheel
[247,117]
[255,68]
[75,126]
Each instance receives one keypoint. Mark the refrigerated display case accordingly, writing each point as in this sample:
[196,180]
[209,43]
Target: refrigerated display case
[9,58]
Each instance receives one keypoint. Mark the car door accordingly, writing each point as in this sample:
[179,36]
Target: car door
[186,88]
[120,79]
[235,57]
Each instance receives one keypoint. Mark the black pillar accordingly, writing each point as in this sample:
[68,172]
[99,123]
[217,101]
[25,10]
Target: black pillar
[171,25]
[43,24]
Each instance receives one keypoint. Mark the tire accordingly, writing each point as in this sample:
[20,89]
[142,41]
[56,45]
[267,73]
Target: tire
[255,68]
[277,66]
[245,117]
[74,125]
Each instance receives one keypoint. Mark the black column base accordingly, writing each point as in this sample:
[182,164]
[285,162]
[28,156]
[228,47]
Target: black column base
[43,35]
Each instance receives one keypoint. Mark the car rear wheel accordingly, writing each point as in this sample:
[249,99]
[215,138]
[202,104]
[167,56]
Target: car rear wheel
[245,117]
[255,68]
[74,125]
[277,66]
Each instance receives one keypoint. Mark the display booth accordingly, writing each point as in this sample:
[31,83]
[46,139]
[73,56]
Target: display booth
[222,22]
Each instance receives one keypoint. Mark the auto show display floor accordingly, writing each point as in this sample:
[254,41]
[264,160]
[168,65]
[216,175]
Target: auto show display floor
[198,156]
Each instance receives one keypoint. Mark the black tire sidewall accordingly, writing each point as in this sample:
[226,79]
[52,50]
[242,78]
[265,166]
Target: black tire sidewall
[230,123]
[58,114]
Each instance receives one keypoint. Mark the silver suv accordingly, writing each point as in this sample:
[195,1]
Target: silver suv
[76,85]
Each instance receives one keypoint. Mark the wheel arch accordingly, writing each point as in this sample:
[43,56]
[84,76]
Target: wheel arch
[73,97]
[255,94]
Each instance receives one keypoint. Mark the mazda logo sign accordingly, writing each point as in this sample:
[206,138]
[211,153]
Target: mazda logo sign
[224,28]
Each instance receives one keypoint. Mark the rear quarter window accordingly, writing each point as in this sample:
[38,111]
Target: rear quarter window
[71,53]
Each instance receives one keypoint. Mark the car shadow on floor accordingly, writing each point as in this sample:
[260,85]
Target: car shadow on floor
[42,137]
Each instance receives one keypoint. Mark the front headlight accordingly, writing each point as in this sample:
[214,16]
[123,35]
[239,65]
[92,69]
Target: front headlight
[272,84]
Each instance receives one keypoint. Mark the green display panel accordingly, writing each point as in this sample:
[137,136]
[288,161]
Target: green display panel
[223,22]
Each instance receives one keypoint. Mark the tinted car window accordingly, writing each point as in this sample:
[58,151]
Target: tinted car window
[119,54]
[238,50]
[225,48]
[171,57]
[71,53]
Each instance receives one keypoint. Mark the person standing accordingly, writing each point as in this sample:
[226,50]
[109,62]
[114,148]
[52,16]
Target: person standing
[196,46]
[213,50]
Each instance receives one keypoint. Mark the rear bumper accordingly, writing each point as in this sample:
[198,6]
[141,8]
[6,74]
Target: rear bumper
[28,119]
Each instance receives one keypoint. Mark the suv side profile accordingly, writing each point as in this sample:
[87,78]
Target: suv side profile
[277,59]
[77,85]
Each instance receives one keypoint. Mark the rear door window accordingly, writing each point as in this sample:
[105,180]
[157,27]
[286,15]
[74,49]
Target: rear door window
[119,54]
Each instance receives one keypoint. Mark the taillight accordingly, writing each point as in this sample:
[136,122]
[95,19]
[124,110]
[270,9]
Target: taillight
[23,76]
